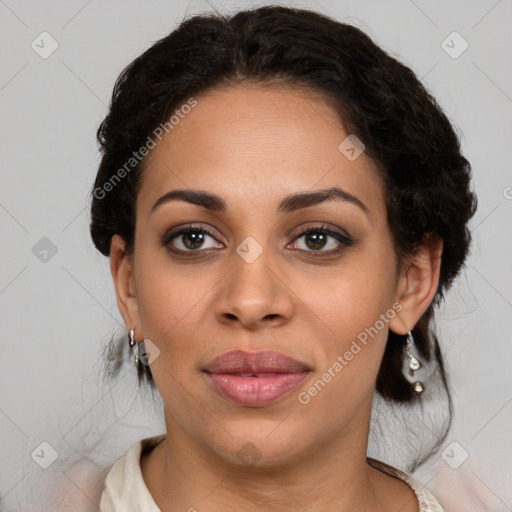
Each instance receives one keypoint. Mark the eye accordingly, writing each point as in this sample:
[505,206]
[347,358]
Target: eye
[317,239]
[321,239]
[190,239]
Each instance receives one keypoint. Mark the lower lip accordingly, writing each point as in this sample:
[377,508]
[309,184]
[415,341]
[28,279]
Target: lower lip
[255,391]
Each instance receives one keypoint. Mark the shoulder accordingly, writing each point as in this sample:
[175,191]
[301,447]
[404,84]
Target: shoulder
[427,501]
[124,484]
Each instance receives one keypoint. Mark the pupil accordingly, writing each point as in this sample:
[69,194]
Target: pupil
[317,239]
[195,238]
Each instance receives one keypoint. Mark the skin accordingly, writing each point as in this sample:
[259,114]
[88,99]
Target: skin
[253,146]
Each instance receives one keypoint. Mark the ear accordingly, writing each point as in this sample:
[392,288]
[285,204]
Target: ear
[121,267]
[417,284]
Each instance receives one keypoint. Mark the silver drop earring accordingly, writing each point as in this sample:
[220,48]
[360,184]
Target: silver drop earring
[133,345]
[413,365]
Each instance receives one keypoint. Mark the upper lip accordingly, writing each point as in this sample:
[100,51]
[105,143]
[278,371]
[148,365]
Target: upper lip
[239,361]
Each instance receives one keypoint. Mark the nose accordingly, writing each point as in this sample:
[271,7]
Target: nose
[254,295]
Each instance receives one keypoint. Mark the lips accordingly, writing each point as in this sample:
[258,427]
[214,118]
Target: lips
[255,379]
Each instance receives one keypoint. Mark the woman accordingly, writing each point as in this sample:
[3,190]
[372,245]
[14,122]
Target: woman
[283,205]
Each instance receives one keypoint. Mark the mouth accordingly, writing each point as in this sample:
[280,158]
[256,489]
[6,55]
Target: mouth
[255,378]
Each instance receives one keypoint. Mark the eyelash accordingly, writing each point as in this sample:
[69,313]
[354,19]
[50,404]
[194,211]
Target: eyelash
[344,240]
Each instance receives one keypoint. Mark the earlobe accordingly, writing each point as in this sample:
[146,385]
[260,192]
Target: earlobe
[418,283]
[121,268]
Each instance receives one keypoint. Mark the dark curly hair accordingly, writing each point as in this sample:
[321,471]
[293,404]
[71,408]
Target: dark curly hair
[378,99]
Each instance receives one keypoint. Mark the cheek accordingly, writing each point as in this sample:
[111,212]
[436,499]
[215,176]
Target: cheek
[352,309]
[168,295]
[171,307]
[350,329]
[353,297]
[348,355]
[171,304]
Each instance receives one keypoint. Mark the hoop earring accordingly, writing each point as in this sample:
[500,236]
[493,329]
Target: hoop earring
[133,345]
[414,365]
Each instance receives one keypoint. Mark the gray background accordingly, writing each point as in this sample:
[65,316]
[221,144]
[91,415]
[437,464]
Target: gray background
[58,310]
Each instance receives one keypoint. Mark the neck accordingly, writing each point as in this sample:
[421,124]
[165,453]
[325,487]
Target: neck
[332,475]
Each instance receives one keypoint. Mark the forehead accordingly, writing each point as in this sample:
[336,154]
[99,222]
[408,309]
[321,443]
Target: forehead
[255,145]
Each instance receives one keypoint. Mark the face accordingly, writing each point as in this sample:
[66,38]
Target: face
[311,278]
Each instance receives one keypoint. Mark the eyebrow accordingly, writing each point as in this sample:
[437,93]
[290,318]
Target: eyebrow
[290,203]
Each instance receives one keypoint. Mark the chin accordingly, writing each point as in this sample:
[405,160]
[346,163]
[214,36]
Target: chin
[261,444]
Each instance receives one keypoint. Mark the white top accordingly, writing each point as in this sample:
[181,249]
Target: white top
[126,491]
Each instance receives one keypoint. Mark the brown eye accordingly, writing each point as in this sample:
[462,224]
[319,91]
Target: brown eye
[316,240]
[322,240]
[190,239]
